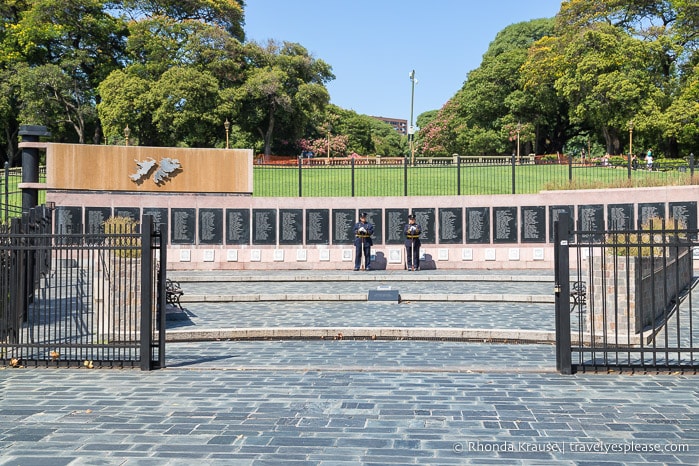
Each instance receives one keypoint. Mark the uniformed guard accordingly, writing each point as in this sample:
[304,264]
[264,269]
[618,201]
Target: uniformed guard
[412,232]
[362,242]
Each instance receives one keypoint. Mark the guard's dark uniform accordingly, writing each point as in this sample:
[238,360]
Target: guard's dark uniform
[412,244]
[362,242]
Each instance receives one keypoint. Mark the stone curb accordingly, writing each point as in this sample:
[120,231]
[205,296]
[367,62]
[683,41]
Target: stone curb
[373,333]
[404,297]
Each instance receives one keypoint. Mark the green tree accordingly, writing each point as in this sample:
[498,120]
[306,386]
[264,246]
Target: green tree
[282,88]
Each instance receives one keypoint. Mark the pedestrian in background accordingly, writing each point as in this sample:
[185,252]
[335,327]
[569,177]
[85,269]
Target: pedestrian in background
[412,232]
[362,242]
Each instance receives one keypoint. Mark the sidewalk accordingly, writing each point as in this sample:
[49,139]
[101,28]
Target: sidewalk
[340,401]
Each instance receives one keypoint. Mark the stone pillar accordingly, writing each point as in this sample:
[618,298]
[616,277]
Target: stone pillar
[30,164]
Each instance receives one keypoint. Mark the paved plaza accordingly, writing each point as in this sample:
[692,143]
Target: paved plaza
[344,401]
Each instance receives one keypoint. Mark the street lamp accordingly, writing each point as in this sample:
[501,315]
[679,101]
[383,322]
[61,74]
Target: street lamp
[518,129]
[411,129]
[227,125]
[127,132]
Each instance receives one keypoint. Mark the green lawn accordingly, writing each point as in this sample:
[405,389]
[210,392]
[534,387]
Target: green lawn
[442,181]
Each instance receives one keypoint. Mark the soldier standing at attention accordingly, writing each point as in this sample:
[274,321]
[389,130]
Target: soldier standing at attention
[412,243]
[362,242]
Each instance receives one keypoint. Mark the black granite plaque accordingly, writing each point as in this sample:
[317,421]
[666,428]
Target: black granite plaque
[95,218]
[210,226]
[290,226]
[373,216]
[343,225]
[504,224]
[264,226]
[451,229]
[684,214]
[651,210]
[317,226]
[555,211]
[395,222]
[620,217]
[68,222]
[237,226]
[160,218]
[533,224]
[183,225]
[591,221]
[426,218]
[133,213]
[478,225]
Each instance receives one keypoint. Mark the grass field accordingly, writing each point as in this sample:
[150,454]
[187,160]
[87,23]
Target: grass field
[275,181]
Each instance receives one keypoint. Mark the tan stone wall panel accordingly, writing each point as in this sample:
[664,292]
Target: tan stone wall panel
[108,168]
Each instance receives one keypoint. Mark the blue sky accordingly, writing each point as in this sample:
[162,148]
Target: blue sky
[372,45]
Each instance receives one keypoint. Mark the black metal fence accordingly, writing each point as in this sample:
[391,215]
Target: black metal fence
[350,177]
[87,300]
[624,299]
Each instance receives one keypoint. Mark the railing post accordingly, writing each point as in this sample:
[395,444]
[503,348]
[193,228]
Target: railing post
[405,176]
[161,296]
[300,178]
[458,175]
[561,254]
[147,292]
[691,166]
[514,190]
[7,190]
[628,165]
[352,164]
[570,168]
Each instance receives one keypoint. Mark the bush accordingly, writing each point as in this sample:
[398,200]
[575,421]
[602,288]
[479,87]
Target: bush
[652,232]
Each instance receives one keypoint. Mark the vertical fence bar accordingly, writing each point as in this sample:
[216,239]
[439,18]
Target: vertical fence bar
[562,271]
[300,177]
[146,292]
[7,190]
[512,163]
[405,176]
[161,296]
[458,175]
[570,168]
[352,176]
[691,166]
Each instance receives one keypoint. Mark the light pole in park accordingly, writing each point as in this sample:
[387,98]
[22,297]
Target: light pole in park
[127,133]
[227,126]
[411,129]
[519,129]
[629,161]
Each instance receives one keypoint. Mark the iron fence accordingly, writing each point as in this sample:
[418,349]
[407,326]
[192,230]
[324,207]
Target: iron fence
[356,177]
[624,299]
[87,300]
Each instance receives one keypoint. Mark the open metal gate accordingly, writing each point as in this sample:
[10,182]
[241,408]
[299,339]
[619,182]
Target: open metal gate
[85,300]
[624,299]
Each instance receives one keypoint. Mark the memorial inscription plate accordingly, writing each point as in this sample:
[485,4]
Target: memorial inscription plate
[290,226]
[160,218]
[685,213]
[264,226]
[183,225]
[654,210]
[317,226]
[210,226]
[620,217]
[373,216]
[343,224]
[68,220]
[426,218]
[504,224]
[395,222]
[237,226]
[555,211]
[128,212]
[591,220]
[95,218]
[478,225]
[451,221]
[533,224]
